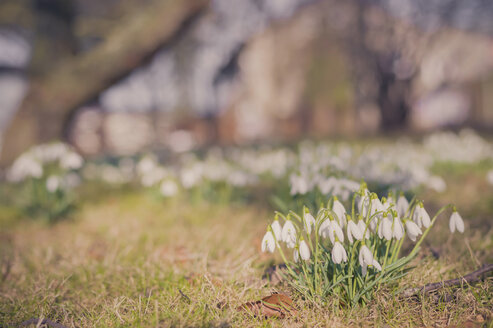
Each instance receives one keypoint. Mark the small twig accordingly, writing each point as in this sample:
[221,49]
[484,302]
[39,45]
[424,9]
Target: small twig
[39,321]
[468,278]
[185,296]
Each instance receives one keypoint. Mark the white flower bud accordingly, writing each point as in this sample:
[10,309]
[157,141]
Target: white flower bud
[412,230]
[288,234]
[304,251]
[268,242]
[397,228]
[385,228]
[402,206]
[365,256]
[338,253]
[308,221]
[456,222]
[340,212]
[276,228]
[353,230]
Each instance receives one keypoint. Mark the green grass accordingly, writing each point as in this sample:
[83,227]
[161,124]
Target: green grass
[123,260]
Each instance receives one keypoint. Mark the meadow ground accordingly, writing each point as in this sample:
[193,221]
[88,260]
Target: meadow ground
[127,259]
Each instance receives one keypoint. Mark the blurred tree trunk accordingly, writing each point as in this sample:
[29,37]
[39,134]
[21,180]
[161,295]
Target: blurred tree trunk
[375,80]
[54,34]
[53,97]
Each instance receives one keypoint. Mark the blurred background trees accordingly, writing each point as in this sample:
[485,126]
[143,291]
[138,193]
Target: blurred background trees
[119,76]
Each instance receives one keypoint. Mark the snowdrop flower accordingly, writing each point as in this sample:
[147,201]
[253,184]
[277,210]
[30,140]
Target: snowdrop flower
[456,222]
[296,255]
[304,251]
[376,265]
[332,229]
[52,183]
[412,230]
[385,227]
[365,256]
[402,206]
[168,188]
[362,228]
[308,220]
[353,230]
[276,228]
[26,166]
[376,205]
[338,253]
[71,161]
[421,217]
[340,211]
[397,228]
[268,242]
[288,234]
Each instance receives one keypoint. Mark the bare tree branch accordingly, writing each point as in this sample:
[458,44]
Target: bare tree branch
[467,279]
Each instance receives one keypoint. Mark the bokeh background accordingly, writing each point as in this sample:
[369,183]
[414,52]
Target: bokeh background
[122,76]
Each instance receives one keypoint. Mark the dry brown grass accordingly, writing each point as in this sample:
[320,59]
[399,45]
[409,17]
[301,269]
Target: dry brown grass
[132,261]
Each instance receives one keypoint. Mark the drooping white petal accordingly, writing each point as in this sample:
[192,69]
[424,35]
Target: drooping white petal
[289,234]
[323,230]
[308,221]
[456,222]
[386,228]
[397,228]
[338,253]
[417,216]
[276,228]
[402,206]
[268,242]
[340,212]
[296,255]
[366,255]
[334,230]
[376,265]
[353,230]
[425,218]
[362,228]
[304,251]
[412,230]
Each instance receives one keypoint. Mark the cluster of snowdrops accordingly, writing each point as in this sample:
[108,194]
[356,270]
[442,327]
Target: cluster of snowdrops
[349,251]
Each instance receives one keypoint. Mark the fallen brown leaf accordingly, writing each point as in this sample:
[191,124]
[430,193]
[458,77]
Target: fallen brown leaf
[275,305]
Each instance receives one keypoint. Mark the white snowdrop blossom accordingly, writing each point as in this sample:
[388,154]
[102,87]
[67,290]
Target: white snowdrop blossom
[363,229]
[168,188]
[340,212]
[376,265]
[412,230]
[276,229]
[338,253]
[456,222]
[53,183]
[402,206]
[397,228]
[304,251]
[353,231]
[71,161]
[365,256]
[385,227]
[331,229]
[296,255]
[268,242]
[288,234]
[421,217]
[308,221]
